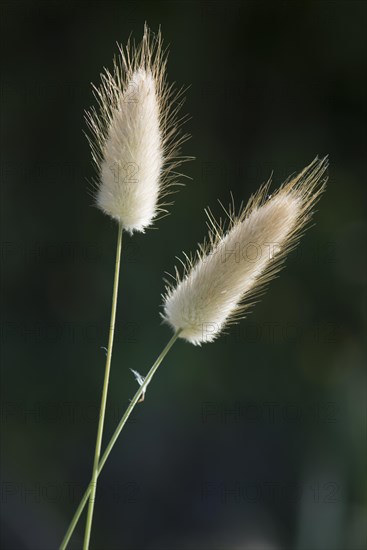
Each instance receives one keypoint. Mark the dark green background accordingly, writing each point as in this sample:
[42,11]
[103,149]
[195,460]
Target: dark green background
[254,442]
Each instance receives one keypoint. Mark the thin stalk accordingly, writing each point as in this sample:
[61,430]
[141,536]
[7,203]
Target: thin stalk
[97,453]
[115,436]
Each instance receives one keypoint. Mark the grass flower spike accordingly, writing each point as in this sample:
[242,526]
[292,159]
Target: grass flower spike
[240,256]
[135,135]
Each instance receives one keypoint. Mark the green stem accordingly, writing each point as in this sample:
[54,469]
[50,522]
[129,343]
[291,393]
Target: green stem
[115,436]
[97,453]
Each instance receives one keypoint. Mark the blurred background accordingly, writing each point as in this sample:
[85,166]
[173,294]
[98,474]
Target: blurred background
[254,442]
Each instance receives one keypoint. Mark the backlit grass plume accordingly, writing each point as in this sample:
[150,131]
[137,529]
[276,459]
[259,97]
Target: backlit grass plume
[135,135]
[240,256]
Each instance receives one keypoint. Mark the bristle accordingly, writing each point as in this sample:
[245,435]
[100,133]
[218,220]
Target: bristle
[241,256]
[135,135]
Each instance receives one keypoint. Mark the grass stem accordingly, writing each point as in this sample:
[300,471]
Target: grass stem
[115,436]
[93,483]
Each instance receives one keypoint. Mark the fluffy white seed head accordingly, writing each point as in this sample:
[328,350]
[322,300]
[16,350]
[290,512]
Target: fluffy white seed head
[240,256]
[135,135]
